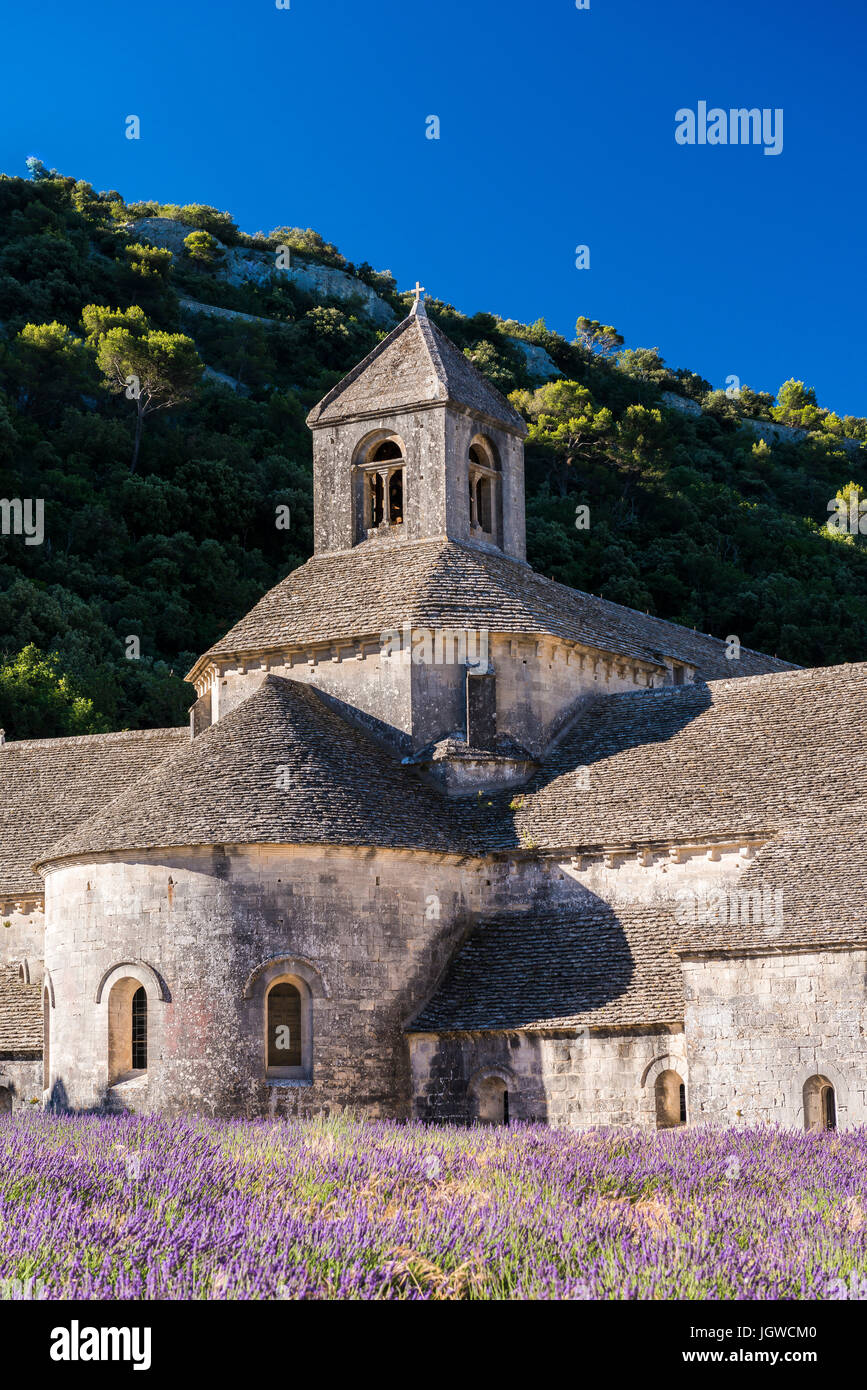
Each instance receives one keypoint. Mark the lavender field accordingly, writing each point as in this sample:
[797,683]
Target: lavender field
[107,1207]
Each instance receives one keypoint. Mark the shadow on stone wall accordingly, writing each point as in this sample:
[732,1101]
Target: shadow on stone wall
[555,971]
[553,967]
[58,1103]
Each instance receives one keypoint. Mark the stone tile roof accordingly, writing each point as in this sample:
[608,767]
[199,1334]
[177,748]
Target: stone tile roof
[48,785]
[739,756]
[591,966]
[732,757]
[819,869]
[415,365]
[223,788]
[20,1014]
[441,583]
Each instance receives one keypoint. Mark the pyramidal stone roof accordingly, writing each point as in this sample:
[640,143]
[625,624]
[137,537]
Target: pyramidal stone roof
[281,768]
[47,786]
[754,755]
[589,966]
[415,365]
[441,583]
[728,759]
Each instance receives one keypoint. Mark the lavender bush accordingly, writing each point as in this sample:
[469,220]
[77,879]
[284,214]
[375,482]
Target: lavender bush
[130,1207]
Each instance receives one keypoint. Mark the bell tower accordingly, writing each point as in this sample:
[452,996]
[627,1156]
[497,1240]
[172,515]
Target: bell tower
[414,444]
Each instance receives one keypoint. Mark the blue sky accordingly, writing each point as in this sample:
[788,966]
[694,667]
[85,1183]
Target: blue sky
[557,129]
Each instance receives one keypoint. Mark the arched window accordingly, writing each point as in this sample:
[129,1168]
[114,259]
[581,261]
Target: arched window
[5,1101]
[483,467]
[140,1030]
[820,1104]
[127,1030]
[388,449]
[284,1025]
[383,483]
[670,1093]
[288,1031]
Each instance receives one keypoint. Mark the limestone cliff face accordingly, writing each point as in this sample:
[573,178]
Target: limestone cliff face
[540,364]
[242,264]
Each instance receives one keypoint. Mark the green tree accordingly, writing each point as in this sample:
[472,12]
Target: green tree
[39,700]
[149,262]
[51,367]
[797,405]
[204,249]
[220,224]
[38,171]
[307,243]
[596,337]
[566,422]
[155,369]
[641,435]
[97,319]
[645,364]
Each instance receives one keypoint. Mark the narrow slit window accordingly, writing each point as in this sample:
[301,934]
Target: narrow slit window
[483,504]
[375,498]
[140,1030]
[284,1026]
[395,497]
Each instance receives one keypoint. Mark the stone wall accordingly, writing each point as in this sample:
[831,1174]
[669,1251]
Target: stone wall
[369,931]
[460,429]
[664,874]
[540,683]
[436,443]
[337,448]
[760,1026]
[574,1080]
[22,930]
[20,1082]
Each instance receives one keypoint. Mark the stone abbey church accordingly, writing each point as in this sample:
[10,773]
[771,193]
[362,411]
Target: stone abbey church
[446,839]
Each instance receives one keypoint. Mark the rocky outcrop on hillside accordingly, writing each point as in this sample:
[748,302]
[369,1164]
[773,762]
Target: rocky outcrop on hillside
[243,264]
[539,362]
